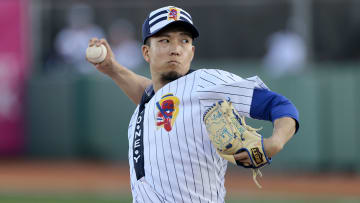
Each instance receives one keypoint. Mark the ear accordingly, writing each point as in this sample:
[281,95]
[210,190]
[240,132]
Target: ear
[145,51]
[193,52]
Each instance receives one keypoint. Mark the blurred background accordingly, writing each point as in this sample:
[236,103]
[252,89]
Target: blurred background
[63,126]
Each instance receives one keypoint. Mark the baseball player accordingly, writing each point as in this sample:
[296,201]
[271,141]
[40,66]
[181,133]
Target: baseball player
[171,157]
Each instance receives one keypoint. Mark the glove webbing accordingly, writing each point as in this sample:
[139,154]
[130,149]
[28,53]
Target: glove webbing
[256,172]
[249,128]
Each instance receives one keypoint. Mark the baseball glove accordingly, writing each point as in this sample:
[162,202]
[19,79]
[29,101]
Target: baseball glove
[230,135]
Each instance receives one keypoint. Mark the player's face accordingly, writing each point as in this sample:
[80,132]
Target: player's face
[170,54]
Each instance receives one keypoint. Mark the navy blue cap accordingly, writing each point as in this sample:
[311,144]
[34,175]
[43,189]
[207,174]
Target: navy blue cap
[162,17]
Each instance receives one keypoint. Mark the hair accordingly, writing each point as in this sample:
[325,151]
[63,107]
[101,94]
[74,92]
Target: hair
[147,41]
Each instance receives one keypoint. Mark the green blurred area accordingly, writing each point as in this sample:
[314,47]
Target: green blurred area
[75,198]
[71,116]
[22,198]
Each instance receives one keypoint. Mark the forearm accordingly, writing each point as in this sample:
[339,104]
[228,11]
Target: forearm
[132,84]
[284,129]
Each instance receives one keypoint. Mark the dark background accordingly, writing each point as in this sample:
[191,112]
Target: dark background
[229,29]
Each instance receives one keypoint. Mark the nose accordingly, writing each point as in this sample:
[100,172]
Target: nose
[175,49]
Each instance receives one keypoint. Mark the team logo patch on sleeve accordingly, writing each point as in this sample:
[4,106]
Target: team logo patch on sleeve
[168,107]
[174,14]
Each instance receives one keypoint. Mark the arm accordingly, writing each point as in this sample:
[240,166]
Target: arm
[268,105]
[132,84]
[284,129]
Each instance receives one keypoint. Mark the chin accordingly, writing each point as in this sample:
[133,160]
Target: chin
[170,76]
[179,68]
[173,66]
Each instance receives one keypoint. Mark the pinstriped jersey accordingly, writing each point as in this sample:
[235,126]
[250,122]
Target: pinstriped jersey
[179,161]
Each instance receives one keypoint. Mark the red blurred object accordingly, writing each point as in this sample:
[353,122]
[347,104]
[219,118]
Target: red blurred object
[14,36]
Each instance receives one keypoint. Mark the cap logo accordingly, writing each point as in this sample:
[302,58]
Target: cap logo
[174,14]
[162,17]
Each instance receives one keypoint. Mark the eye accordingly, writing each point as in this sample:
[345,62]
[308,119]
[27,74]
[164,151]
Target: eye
[185,41]
[164,40]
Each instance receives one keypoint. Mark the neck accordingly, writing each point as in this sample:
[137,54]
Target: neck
[158,85]
[156,81]
[160,80]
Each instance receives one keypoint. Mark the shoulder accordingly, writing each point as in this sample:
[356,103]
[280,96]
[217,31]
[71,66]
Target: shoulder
[218,74]
[210,77]
[259,83]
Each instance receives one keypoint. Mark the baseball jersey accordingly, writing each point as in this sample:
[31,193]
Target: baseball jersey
[170,154]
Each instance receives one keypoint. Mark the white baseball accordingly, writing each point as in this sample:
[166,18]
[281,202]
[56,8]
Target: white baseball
[96,54]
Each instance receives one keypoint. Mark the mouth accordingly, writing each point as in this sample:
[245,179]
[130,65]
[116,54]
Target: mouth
[173,62]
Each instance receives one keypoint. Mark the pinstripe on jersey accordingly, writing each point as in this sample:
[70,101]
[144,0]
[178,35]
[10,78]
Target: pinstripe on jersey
[180,162]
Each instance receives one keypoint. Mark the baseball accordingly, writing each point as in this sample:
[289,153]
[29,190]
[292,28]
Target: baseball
[96,54]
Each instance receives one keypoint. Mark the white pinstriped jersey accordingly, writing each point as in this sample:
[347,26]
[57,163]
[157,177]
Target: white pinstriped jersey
[180,163]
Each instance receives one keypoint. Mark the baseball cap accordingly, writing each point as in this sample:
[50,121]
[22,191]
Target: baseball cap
[163,17]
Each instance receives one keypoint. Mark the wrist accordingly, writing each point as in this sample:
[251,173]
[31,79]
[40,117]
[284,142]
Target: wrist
[272,146]
[115,70]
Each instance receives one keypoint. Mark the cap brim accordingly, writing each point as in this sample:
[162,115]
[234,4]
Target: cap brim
[188,26]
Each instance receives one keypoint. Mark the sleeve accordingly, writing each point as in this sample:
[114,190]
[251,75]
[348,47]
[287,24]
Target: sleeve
[250,97]
[268,105]
[217,85]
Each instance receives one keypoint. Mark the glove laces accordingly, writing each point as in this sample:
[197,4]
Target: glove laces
[256,172]
[249,128]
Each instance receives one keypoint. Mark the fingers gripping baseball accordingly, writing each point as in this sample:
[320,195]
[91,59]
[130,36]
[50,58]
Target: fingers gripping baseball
[102,59]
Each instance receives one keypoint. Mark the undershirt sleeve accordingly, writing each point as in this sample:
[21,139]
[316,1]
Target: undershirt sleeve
[268,105]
